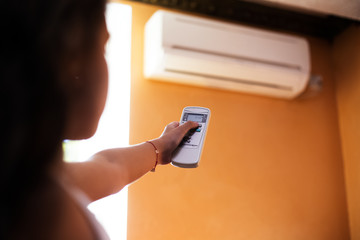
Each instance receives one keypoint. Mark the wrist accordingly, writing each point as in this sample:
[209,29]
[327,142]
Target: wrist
[159,143]
[156,155]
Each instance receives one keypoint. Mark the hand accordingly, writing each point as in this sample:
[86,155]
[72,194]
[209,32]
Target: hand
[171,138]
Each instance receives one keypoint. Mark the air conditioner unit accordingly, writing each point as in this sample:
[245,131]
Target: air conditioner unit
[191,50]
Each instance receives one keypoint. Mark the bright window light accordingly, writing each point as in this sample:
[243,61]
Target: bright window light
[113,129]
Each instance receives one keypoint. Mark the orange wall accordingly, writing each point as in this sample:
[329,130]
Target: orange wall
[347,74]
[271,169]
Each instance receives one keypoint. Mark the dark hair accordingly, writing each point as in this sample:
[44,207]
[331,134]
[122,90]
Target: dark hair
[39,38]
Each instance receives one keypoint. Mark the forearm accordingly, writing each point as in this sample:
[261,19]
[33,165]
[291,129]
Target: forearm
[108,171]
[132,162]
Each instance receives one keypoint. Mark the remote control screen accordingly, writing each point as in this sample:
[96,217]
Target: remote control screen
[201,118]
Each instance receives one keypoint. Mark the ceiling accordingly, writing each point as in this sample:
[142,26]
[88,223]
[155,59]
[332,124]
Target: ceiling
[319,18]
[343,8]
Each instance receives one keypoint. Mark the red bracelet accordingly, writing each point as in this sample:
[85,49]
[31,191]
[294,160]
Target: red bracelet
[157,155]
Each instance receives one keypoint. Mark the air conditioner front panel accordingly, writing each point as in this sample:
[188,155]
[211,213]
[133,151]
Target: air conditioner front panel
[241,41]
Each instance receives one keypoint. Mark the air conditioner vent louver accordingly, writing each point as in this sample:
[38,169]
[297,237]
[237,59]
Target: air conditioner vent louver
[239,58]
[240,81]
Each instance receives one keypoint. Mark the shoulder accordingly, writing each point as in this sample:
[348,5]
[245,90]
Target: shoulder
[72,222]
[50,213]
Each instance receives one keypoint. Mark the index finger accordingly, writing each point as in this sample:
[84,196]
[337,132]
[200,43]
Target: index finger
[184,128]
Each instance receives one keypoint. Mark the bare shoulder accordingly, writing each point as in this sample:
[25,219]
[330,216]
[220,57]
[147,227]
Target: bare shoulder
[52,214]
[73,224]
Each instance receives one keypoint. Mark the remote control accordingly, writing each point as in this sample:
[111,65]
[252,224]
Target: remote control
[188,153]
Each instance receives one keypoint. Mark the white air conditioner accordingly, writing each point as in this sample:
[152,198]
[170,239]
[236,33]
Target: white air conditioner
[192,50]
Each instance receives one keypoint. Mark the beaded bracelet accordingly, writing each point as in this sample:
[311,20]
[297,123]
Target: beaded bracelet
[157,155]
